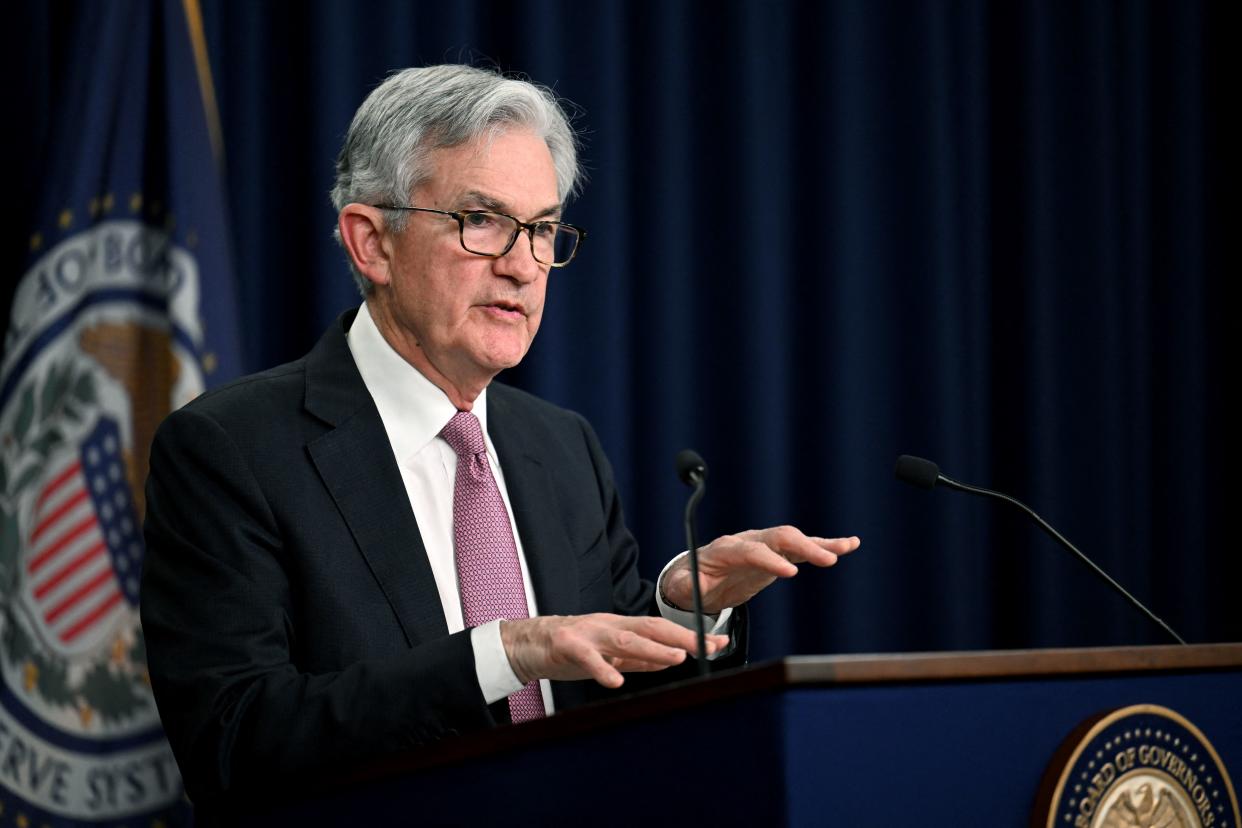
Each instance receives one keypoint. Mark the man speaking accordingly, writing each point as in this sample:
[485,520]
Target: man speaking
[377,547]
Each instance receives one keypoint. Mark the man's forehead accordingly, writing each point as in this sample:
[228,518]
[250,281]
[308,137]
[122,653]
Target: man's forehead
[507,172]
[483,200]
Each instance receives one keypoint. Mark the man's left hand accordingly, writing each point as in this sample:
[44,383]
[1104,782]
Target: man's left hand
[734,568]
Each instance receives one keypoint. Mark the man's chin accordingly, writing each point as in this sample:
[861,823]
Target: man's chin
[501,349]
[495,360]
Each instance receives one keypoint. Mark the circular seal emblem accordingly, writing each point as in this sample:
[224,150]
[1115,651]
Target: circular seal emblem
[1143,765]
[105,344]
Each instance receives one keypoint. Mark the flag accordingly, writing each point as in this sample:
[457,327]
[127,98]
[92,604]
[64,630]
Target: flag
[85,544]
[124,310]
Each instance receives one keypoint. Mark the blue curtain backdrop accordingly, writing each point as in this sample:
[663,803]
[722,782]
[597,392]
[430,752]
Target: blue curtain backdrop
[822,235]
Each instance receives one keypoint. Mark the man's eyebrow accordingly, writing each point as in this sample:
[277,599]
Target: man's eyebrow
[483,200]
[553,212]
[486,202]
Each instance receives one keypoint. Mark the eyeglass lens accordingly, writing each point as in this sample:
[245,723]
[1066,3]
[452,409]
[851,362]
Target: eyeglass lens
[489,234]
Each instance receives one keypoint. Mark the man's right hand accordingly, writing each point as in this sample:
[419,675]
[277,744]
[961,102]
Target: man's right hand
[598,646]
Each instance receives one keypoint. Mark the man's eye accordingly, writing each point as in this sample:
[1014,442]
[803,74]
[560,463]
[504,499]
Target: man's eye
[480,220]
[545,230]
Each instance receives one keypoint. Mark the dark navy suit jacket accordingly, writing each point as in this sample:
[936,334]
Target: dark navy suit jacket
[291,618]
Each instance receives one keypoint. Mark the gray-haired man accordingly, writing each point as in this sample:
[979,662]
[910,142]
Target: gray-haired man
[331,576]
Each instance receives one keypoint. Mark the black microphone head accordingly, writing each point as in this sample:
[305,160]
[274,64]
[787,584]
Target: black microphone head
[690,466]
[917,471]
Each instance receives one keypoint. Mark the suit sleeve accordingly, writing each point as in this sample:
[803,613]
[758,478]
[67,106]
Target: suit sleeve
[633,595]
[218,612]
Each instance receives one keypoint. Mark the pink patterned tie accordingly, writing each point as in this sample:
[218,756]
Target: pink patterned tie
[488,572]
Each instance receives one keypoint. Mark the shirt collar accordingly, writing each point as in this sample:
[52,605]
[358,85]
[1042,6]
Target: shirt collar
[411,406]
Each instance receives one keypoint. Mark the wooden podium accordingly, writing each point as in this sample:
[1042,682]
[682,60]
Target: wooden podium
[937,739]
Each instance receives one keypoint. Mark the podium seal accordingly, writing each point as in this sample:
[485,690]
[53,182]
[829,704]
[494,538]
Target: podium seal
[1143,765]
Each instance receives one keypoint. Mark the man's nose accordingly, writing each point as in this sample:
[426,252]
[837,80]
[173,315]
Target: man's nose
[519,263]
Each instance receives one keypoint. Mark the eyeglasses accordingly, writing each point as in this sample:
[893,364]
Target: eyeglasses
[485,233]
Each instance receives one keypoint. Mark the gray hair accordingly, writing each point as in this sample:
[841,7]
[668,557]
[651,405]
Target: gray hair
[387,149]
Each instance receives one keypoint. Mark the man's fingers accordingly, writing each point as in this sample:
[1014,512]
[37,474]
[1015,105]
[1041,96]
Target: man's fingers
[630,644]
[715,643]
[792,544]
[673,636]
[606,646]
[842,546]
[834,548]
[765,558]
[626,665]
[600,668]
[590,648]
[734,568]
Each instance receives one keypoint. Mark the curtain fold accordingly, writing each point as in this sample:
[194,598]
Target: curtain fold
[822,235]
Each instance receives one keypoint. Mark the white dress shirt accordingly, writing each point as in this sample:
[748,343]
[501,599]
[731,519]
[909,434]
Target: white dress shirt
[413,411]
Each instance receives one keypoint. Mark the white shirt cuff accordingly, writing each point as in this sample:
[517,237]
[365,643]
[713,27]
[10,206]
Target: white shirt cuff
[496,677]
[711,623]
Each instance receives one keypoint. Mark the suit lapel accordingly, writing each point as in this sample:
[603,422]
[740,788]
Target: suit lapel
[549,555]
[356,464]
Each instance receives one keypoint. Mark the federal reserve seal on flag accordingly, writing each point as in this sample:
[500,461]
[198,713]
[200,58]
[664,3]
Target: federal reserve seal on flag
[106,340]
[123,310]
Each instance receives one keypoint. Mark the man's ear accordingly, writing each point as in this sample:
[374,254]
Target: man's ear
[362,231]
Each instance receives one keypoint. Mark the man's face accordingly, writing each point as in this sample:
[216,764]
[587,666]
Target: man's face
[453,314]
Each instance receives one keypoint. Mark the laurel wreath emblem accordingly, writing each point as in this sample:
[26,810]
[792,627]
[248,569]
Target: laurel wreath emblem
[115,684]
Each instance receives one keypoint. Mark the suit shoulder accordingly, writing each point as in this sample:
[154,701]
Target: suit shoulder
[527,405]
[253,394]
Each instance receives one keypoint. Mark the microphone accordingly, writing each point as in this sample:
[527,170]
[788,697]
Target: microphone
[917,471]
[925,474]
[692,471]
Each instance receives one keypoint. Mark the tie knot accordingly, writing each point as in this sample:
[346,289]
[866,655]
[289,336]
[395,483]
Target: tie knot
[464,435]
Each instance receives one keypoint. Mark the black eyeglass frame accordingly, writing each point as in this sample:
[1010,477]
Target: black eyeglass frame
[528,226]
